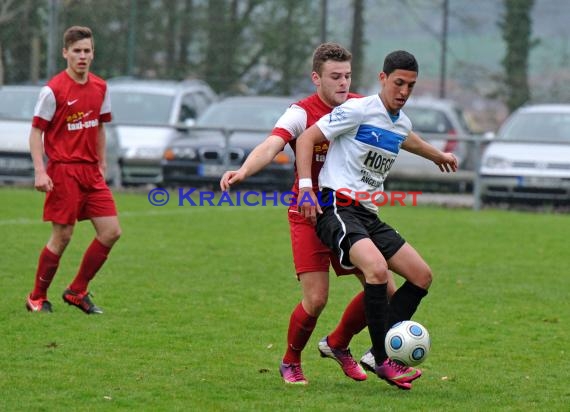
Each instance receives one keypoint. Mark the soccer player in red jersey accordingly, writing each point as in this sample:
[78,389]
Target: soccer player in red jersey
[70,115]
[332,76]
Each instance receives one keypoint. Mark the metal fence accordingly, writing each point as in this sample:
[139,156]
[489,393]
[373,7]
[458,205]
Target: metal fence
[554,189]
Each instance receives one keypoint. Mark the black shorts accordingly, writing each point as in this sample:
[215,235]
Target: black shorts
[340,226]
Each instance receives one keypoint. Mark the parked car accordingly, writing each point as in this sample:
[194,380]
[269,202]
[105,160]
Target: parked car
[17,104]
[441,123]
[147,116]
[529,158]
[16,112]
[222,138]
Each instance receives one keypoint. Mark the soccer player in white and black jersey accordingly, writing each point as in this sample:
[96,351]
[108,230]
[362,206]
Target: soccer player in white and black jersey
[365,137]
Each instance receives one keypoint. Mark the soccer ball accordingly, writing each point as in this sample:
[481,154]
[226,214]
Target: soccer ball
[408,342]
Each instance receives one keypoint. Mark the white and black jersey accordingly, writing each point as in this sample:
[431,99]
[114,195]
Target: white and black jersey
[365,142]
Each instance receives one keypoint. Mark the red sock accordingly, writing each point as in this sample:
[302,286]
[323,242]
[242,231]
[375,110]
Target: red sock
[47,266]
[94,257]
[301,327]
[352,322]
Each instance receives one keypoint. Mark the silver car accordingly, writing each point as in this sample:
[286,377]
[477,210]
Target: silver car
[17,104]
[529,158]
[147,116]
[441,123]
[16,112]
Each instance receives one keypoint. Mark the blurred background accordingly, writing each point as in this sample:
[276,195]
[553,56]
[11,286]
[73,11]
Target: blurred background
[176,67]
[471,52]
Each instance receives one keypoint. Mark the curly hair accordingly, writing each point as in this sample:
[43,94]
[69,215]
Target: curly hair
[329,51]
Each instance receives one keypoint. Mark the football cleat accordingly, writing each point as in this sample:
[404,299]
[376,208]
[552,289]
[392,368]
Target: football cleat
[344,359]
[368,362]
[396,374]
[292,374]
[82,301]
[38,305]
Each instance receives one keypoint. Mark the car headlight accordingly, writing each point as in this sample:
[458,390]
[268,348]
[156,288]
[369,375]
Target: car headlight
[144,153]
[186,153]
[283,158]
[497,162]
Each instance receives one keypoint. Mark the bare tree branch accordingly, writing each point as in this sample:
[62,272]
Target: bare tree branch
[8,11]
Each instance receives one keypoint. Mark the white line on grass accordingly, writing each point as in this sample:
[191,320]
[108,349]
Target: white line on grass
[155,213]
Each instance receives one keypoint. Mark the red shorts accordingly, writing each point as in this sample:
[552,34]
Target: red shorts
[79,193]
[309,253]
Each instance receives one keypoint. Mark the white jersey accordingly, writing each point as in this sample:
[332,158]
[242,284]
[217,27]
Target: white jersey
[364,143]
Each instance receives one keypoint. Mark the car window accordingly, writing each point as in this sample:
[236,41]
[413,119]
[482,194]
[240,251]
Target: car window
[200,102]
[141,108]
[240,115]
[192,105]
[460,115]
[18,104]
[187,111]
[537,126]
[426,120]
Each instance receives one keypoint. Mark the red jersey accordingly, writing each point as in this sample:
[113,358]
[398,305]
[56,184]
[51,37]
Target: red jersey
[298,117]
[69,114]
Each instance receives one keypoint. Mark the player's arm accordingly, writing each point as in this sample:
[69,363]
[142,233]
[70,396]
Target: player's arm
[42,182]
[446,162]
[305,144]
[104,117]
[262,155]
[101,148]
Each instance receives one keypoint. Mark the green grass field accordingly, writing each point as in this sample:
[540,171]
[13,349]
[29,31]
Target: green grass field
[197,301]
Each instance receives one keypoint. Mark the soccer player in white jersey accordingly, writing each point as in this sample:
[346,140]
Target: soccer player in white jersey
[365,137]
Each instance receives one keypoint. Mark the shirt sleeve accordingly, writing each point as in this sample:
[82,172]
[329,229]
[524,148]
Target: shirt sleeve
[105,115]
[291,123]
[44,109]
[341,120]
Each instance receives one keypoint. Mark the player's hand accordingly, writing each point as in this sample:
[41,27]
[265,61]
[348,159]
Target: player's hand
[231,177]
[308,205]
[43,182]
[448,163]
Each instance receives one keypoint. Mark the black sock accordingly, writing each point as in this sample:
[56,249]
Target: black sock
[405,302]
[376,309]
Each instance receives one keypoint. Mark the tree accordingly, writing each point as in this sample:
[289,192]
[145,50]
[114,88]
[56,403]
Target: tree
[109,21]
[259,44]
[516,27]
[16,33]
[289,32]
[357,43]
[224,26]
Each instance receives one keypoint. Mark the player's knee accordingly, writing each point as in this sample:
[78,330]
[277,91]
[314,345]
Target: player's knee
[64,239]
[316,303]
[116,234]
[59,240]
[426,278]
[319,304]
[377,274]
[110,236]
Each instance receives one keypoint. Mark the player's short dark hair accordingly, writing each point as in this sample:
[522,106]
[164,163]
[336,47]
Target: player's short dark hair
[329,51]
[400,60]
[76,33]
